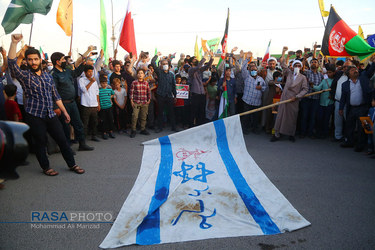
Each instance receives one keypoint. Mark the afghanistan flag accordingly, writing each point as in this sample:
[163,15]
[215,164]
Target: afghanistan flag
[21,11]
[340,40]
[225,38]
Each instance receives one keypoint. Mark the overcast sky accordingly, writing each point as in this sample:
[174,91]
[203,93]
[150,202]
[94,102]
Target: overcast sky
[172,25]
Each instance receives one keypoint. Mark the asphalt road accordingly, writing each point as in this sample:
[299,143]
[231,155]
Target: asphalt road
[331,187]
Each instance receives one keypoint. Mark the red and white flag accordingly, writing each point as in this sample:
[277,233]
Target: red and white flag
[267,55]
[127,36]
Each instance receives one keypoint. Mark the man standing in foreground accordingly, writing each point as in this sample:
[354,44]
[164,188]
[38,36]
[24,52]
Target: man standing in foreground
[40,93]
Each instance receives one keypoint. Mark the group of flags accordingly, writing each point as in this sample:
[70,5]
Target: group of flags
[22,11]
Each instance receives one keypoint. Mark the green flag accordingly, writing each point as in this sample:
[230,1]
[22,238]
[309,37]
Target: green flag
[224,105]
[213,44]
[21,11]
[103,31]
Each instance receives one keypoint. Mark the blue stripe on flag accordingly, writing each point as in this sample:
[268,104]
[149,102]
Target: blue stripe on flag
[251,201]
[148,232]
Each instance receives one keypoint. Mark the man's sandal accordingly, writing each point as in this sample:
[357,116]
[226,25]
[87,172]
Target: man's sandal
[50,172]
[77,169]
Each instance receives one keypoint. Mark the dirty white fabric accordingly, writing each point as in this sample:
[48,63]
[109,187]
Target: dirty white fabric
[199,184]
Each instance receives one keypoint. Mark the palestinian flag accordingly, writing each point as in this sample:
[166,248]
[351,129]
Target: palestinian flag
[224,105]
[224,40]
[341,41]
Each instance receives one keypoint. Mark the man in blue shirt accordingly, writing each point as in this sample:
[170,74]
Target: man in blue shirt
[40,94]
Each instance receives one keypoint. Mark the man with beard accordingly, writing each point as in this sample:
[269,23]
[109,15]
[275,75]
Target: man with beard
[40,93]
[310,105]
[64,81]
[198,94]
[267,118]
[356,96]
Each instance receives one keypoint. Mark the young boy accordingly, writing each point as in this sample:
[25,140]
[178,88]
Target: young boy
[140,96]
[179,105]
[326,104]
[12,111]
[120,102]
[105,110]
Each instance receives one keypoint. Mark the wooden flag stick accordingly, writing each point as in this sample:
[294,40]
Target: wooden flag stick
[282,102]
[31,32]
[71,42]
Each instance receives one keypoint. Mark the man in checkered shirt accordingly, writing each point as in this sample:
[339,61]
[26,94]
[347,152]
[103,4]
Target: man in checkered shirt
[310,105]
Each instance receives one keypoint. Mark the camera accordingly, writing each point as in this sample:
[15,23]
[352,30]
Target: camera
[13,148]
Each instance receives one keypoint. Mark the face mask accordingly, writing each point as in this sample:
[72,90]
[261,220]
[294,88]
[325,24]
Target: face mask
[279,79]
[165,67]
[50,68]
[253,73]
[63,65]
[226,65]
[296,70]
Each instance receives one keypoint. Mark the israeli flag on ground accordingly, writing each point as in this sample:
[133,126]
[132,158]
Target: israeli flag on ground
[200,184]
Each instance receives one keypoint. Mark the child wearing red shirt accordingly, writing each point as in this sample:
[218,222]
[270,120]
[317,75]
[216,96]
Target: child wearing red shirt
[12,111]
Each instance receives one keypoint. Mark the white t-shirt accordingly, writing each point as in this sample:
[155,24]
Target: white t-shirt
[120,96]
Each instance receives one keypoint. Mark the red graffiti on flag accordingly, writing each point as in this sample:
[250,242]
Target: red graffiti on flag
[183,154]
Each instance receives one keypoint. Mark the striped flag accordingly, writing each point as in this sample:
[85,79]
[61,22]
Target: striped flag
[224,104]
[224,40]
[267,55]
[341,41]
[42,53]
[199,184]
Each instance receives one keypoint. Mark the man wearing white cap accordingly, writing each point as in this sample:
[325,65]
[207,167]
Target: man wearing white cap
[295,88]
[267,117]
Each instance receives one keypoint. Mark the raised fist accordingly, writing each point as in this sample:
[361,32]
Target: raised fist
[16,38]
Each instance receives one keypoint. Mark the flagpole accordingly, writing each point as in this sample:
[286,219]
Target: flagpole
[324,23]
[282,102]
[71,42]
[31,31]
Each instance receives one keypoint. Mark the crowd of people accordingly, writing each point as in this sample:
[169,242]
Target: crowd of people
[88,100]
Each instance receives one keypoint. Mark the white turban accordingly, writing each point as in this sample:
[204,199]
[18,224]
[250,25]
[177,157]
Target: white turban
[272,59]
[296,61]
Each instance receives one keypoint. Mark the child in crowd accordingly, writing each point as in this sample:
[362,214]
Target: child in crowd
[179,105]
[211,108]
[106,113]
[326,104]
[12,111]
[140,96]
[119,107]
[187,110]
[370,141]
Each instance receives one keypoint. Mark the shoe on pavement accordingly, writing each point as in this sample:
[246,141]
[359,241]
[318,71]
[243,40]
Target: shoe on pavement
[85,147]
[132,134]
[105,136]
[144,132]
[158,130]
[94,138]
[292,139]
[111,135]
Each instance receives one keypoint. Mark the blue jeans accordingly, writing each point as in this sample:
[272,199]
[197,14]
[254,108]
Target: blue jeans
[309,110]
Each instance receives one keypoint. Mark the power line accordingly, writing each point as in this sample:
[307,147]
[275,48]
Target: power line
[242,30]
